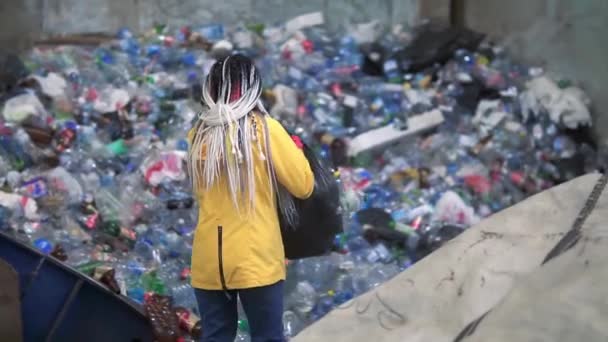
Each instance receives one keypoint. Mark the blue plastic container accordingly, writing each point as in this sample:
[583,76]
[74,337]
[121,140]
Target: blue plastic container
[60,304]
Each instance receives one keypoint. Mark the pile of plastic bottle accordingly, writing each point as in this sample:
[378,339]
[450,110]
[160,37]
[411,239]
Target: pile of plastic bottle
[92,152]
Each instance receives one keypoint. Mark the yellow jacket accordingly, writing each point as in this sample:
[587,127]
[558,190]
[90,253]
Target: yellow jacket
[237,251]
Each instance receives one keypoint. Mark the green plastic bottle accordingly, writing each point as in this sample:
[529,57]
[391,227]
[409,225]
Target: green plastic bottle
[151,283]
[115,229]
[117,148]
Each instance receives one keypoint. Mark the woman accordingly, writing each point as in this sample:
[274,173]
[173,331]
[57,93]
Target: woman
[241,163]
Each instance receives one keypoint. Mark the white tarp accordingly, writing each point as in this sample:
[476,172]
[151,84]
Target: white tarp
[495,267]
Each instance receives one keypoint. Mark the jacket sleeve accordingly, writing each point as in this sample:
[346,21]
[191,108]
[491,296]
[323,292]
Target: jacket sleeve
[291,166]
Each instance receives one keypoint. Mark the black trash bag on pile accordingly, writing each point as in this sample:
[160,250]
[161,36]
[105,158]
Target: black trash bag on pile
[473,92]
[434,238]
[115,124]
[374,57]
[378,226]
[12,70]
[436,44]
[319,217]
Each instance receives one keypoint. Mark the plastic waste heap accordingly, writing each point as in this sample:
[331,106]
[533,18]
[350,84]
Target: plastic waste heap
[92,148]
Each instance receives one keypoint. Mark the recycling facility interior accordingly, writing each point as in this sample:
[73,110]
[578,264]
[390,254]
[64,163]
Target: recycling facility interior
[561,37]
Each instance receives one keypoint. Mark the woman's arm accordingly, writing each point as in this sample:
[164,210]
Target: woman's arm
[291,166]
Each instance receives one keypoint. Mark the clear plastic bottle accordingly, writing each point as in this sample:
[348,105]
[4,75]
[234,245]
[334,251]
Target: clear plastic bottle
[183,295]
[292,324]
[317,270]
[303,298]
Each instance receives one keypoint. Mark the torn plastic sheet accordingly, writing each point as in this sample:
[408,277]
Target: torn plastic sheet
[303,21]
[389,134]
[52,85]
[568,107]
[20,107]
[489,114]
[367,32]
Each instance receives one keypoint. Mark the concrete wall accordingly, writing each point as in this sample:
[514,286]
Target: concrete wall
[20,23]
[79,16]
[568,37]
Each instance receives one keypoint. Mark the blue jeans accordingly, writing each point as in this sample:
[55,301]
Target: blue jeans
[263,307]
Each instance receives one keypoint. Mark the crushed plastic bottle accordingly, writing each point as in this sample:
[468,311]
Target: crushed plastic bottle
[303,298]
[292,324]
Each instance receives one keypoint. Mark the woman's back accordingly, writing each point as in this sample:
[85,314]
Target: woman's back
[241,163]
[243,244]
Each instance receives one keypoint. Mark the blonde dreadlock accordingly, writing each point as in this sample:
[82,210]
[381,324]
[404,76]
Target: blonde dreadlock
[226,137]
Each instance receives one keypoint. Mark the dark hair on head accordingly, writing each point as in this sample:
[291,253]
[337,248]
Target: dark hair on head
[237,70]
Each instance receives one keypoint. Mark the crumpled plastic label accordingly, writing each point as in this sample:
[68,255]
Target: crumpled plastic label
[15,201]
[169,165]
[451,209]
[111,100]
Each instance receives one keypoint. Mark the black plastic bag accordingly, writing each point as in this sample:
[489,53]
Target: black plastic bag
[12,70]
[319,216]
[473,92]
[374,57]
[436,44]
